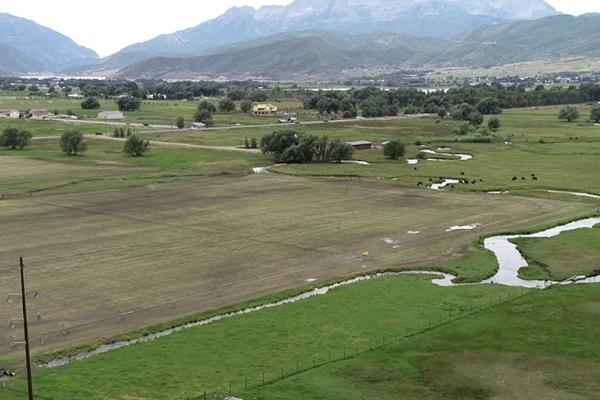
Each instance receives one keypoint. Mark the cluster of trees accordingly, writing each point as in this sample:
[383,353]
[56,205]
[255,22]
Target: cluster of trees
[484,99]
[72,143]
[571,114]
[15,139]
[121,132]
[128,103]
[251,143]
[291,147]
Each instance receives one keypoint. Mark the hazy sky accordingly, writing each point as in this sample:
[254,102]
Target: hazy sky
[110,25]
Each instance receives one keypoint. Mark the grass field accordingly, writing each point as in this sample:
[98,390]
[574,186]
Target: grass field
[570,254]
[208,242]
[115,244]
[240,348]
[542,346]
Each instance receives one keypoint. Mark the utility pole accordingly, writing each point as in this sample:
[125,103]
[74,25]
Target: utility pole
[26,330]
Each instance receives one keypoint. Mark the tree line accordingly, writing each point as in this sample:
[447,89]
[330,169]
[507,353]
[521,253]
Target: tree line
[485,99]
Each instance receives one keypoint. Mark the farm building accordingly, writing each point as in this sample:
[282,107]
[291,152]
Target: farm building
[264,109]
[361,145]
[198,126]
[14,114]
[111,115]
[38,114]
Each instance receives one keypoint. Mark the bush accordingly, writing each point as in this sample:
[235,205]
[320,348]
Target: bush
[208,106]
[476,119]
[253,143]
[462,129]
[90,104]
[442,112]
[462,112]
[204,116]
[246,106]
[136,146]
[180,123]
[494,123]
[595,114]
[15,139]
[128,104]
[227,105]
[394,149]
[569,113]
[72,143]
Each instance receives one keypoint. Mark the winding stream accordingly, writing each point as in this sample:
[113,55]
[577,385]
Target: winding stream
[510,261]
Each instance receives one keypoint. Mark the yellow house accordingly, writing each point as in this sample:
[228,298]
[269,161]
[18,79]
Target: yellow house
[264,109]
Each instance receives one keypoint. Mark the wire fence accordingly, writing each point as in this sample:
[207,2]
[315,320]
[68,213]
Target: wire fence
[352,350]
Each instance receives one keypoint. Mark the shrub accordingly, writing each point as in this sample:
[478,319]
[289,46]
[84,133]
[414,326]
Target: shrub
[204,116]
[569,113]
[208,106]
[227,105]
[136,146]
[72,143]
[462,129]
[246,106]
[128,104]
[595,114]
[494,123]
[180,123]
[90,104]
[394,149]
[475,118]
[15,139]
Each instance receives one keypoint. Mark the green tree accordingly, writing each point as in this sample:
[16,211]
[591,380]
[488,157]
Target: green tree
[227,106]
[569,113]
[253,143]
[208,106]
[136,146]
[236,94]
[128,103]
[489,105]
[494,124]
[246,106]
[595,114]
[204,116]
[90,104]
[462,112]
[180,123]
[72,143]
[246,142]
[15,139]
[394,149]
[476,119]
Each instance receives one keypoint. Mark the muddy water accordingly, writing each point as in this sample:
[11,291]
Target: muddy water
[510,261]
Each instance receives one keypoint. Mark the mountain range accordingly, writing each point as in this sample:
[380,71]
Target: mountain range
[26,47]
[333,55]
[321,39]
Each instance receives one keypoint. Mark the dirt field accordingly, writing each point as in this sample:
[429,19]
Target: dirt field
[119,260]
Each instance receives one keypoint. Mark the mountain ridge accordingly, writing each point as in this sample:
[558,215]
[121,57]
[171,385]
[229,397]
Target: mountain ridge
[44,48]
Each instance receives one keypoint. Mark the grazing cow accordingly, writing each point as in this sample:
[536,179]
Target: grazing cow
[452,186]
[535,178]
[474,181]
[522,178]
[420,184]
[515,178]
[462,173]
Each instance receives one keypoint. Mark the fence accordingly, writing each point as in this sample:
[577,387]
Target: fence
[352,350]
